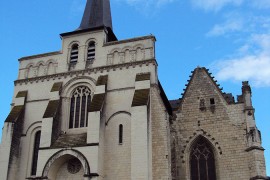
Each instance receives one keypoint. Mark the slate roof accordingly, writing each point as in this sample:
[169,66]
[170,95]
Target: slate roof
[51,109]
[14,114]
[97,13]
[140,97]
[70,140]
[175,104]
[97,102]
[56,86]
[143,77]
[97,16]
[102,80]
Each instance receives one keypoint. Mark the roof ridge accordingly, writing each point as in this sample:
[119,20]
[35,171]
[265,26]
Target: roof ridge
[212,78]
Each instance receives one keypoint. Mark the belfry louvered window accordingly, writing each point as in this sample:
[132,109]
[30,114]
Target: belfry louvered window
[74,53]
[202,161]
[35,153]
[91,51]
[79,107]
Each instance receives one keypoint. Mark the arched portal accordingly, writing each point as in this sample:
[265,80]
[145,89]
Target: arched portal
[67,165]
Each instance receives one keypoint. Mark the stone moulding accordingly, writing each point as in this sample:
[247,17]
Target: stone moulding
[194,136]
[130,40]
[63,152]
[260,177]
[86,71]
[40,55]
[254,148]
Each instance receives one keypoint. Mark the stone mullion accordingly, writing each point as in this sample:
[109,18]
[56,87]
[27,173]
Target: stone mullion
[80,112]
[74,115]
[198,168]
[206,164]
[85,113]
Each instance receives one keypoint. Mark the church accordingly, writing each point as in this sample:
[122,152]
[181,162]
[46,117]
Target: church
[96,110]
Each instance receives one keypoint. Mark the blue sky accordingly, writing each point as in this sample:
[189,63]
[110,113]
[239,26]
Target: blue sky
[230,37]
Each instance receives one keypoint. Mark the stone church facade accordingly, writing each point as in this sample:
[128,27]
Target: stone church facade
[96,110]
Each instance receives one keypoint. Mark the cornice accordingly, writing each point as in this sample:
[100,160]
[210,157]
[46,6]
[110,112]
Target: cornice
[130,40]
[85,71]
[40,55]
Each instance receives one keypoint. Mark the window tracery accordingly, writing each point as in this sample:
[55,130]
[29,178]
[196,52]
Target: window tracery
[202,161]
[74,166]
[79,107]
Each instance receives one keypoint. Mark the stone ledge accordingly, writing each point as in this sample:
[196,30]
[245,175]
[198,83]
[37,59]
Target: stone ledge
[91,175]
[77,73]
[260,177]
[40,55]
[130,40]
[36,178]
[254,148]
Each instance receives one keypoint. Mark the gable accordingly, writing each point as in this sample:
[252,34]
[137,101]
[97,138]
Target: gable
[203,90]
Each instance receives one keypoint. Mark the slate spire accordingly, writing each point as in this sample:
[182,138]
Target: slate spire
[97,14]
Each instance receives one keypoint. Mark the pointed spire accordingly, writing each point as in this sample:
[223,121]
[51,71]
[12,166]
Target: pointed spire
[97,14]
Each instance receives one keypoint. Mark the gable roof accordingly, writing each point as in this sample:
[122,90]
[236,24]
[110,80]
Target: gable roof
[228,98]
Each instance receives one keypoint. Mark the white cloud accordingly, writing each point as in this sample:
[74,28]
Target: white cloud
[254,66]
[215,5]
[240,22]
[230,25]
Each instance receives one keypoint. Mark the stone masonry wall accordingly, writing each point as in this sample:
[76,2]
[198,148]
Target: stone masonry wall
[160,150]
[222,124]
[117,156]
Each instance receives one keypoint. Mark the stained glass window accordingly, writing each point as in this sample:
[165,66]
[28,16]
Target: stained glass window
[79,107]
[202,161]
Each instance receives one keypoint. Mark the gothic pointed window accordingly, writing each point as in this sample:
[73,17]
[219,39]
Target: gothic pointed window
[74,53]
[91,51]
[79,107]
[202,161]
[35,153]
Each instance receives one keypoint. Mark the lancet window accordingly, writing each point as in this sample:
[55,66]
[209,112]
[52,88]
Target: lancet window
[120,134]
[91,51]
[202,161]
[35,153]
[79,107]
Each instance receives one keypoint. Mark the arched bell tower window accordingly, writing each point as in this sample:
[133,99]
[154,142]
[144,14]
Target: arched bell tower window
[91,51]
[74,53]
[202,161]
[35,153]
[79,107]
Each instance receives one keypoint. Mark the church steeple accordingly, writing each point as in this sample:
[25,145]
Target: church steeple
[97,14]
